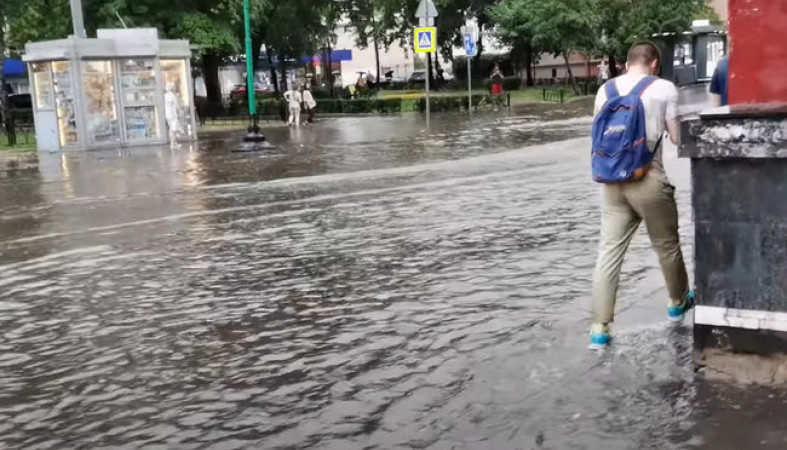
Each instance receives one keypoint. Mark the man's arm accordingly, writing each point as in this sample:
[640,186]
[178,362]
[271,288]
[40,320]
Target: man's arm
[671,116]
[715,88]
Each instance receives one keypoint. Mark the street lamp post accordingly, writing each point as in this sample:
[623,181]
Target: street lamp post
[253,134]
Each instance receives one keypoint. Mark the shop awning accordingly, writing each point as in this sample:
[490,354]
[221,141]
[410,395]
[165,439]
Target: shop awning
[336,56]
[13,67]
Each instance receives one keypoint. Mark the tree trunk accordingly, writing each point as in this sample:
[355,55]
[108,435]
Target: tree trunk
[5,111]
[429,69]
[329,71]
[571,78]
[210,70]
[376,60]
[479,45]
[283,69]
[376,49]
[613,66]
[256,46]
[529,65]
[438,68]
[274,78]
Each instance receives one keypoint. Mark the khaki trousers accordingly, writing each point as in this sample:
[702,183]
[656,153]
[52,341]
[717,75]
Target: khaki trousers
[625,205]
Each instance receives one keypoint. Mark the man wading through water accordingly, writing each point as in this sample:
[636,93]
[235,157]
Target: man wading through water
[632,113]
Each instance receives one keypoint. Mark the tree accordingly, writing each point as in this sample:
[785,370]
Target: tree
[559,27]
[215,39]
[515,29]
[623,22]
[453,15]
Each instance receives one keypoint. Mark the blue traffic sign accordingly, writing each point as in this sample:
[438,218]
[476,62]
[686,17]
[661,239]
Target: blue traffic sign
[469,45]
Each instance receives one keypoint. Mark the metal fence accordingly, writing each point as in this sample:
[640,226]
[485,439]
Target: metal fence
[553,95]
[18,129]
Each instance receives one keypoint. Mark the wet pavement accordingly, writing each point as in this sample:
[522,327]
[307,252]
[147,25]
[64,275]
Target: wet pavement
[364,285]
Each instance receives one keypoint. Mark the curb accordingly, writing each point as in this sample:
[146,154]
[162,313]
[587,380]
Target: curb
[10,162]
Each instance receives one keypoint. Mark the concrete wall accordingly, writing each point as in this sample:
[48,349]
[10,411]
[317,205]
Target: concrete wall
[722,9]
[739,168]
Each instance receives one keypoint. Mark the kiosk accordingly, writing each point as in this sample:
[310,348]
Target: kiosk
[122,88]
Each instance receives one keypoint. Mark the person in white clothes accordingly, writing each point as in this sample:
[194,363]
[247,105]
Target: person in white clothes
[171,106]
[294,99]
[309,104]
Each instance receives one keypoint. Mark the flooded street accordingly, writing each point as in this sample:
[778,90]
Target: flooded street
[365,285]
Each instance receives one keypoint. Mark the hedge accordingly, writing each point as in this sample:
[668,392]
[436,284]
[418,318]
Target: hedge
[397,105]
[509,84]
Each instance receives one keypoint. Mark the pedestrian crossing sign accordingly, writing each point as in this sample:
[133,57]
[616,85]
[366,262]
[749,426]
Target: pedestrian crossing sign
[425,40]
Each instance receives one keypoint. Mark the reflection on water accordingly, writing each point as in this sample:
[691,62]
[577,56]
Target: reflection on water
[436,301]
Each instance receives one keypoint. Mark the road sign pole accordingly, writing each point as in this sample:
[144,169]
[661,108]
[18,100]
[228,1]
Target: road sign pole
[469,87]
[427,96]
[426,13]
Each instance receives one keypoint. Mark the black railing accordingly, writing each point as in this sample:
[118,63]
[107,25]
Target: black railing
[553,95]
[18,129]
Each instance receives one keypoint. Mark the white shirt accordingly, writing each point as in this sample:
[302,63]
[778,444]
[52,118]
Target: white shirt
[293,98]
[660,100]
[200,90]
[308,98]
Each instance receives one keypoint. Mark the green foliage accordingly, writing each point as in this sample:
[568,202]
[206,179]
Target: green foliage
[35,20]
[554,26]
[209,34]
[623,22]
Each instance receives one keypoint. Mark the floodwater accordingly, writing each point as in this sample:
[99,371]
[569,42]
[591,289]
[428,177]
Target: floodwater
[365,285]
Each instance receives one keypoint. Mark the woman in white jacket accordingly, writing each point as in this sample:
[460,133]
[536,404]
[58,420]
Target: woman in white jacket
[294,99]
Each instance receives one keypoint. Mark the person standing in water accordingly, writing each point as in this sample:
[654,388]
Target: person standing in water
[171,114]
[294,99]
[309,104]
[648,198]
[497,80]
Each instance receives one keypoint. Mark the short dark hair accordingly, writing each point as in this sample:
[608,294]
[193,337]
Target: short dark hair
[644,52]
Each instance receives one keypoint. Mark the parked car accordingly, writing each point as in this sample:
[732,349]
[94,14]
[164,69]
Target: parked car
[20,101]
[417,78]
[239,91]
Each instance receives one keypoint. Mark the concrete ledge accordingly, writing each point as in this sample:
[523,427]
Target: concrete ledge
[740,340]
[734,136]
[741,318]
[743,368]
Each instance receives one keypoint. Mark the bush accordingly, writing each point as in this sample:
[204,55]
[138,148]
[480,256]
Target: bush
[405,104]
[366,106]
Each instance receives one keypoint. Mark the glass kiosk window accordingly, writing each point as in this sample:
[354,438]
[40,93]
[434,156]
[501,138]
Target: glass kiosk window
[100,110]
[138,87]
[42,79]
[64,103]
[176,80]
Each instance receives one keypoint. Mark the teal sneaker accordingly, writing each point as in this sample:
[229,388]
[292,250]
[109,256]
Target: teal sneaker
[676,313]
[599,336]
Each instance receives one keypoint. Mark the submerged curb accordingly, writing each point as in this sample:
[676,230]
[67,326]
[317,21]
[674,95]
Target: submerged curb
[12,162]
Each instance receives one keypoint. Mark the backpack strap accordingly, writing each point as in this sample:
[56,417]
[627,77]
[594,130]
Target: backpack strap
[642,85]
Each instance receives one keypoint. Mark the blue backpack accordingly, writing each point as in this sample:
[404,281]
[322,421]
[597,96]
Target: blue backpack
[620,145]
